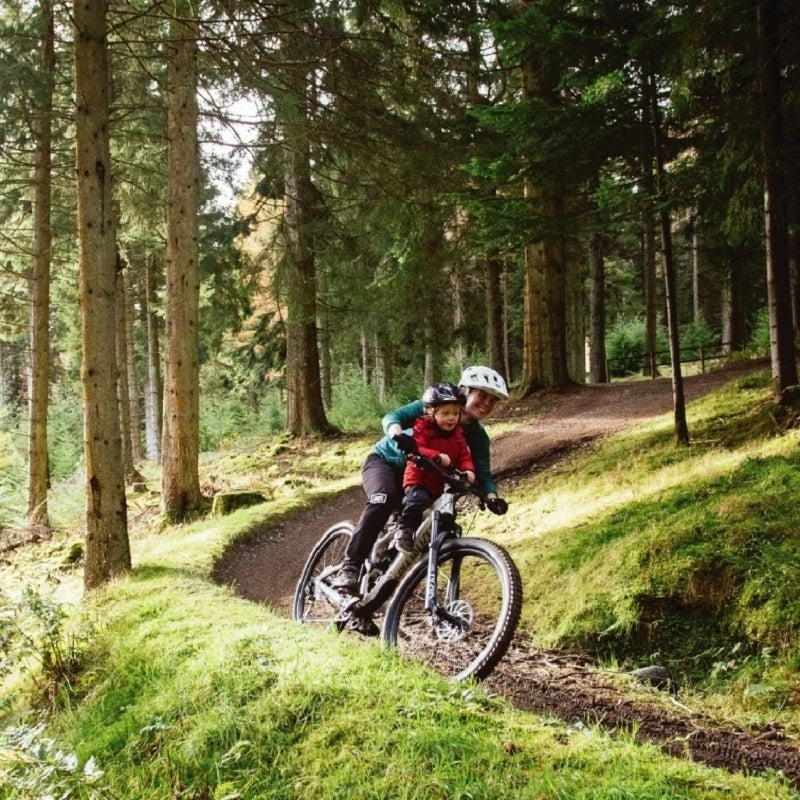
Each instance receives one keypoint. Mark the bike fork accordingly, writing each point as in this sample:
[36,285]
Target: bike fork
[439,611]
[431,606]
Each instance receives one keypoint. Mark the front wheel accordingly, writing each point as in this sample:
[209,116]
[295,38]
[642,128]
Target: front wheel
[479,600]
[313,600]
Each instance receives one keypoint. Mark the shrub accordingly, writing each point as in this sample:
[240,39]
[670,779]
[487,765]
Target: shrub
[625,347]
[33,639]
[760,338]
[697,337]
[354,405]
[13,469]
[65,430]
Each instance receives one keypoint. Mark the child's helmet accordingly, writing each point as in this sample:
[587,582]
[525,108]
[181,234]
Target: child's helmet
[441,393]
[485,379]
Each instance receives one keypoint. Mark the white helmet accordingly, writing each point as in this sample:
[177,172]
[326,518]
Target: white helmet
[485,379]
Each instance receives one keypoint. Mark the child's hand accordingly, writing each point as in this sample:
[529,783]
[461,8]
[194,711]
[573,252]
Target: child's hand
[469,476]
[444,459]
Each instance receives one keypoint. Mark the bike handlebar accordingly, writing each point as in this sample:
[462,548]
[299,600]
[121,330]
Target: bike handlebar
[454,477]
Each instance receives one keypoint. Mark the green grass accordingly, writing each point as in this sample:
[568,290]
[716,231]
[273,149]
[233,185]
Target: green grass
[639,550]
[647,551]
[235,702]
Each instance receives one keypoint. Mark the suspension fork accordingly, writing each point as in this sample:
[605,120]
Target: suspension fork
[437,610]
[438,536]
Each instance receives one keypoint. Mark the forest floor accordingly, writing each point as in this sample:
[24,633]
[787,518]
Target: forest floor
[570,686]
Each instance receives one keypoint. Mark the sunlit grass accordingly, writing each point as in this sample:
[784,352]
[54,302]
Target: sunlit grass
[185,690]
[688,555]
[189,691]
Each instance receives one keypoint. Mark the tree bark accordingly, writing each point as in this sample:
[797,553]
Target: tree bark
[305,411]
[650,283]
[459,317]
[598,366]
[782,351]
[668,265]
[794,271]
[122,379]
[574,311]
[495,322]
[545,346]
[107,545]
[39,291]
[180,484]
[153,398]
[732,302]
[325,365]
[130,366]
[545,361]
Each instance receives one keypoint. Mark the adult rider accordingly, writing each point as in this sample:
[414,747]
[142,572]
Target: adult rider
[382,471]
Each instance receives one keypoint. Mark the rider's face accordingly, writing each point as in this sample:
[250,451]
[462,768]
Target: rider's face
[447,415]
[479,404]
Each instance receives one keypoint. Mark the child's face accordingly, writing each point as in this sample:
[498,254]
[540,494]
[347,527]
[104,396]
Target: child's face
[447,415]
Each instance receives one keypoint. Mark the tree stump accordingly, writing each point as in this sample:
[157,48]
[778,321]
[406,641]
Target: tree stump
[227,502]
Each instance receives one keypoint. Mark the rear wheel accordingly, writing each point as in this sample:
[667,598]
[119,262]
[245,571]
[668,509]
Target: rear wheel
[479,594]
[314,600]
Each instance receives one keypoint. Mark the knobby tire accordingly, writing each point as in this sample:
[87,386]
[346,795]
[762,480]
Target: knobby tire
[480,584]
[326,555]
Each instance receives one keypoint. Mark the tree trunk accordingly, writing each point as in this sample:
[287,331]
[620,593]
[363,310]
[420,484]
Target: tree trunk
[495,323]
[305,411]
[506,326]
[153,397]
[733,332]
[180,485]
[697,313]
[130,366]
[794,271]
[668,265]
[107,546]
[122,379]
[364,350]
[544,327]
[650,290]
[598,366]
[459,317]
[381,369]
[545,346]
[325,368]
[574,311]
[782,351]
[39,292]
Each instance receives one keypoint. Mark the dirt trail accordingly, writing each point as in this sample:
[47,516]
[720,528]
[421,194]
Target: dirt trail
[266,568]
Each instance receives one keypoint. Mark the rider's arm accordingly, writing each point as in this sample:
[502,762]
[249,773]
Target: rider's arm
[478,441]
[401,418]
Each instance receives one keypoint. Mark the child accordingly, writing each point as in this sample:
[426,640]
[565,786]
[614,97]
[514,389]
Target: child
[438,436]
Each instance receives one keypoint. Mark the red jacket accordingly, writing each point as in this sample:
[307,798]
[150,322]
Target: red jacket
[432,440]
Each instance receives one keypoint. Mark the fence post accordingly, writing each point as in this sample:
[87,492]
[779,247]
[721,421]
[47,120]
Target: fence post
[702,360]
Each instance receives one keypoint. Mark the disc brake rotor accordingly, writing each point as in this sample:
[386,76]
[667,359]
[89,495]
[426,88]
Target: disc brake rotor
[447,631]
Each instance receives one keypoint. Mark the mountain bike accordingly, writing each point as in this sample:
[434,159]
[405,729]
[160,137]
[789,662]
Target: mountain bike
[453,602]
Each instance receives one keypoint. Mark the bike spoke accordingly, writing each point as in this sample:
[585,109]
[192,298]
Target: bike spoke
[473,597]
[312,603]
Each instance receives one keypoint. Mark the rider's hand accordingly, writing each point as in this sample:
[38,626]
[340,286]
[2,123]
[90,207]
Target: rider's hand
[405,443]
[443,460]
[497,505]
[469,476]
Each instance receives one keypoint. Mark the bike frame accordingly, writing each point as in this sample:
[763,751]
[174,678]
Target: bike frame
[436,527]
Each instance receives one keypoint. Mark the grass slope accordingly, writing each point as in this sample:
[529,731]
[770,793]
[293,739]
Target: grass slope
[172,687]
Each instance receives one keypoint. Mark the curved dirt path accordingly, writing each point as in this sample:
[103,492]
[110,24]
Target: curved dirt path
[267,566]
